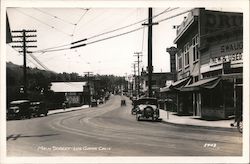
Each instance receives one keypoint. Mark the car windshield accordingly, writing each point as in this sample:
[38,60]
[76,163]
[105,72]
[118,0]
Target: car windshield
[146,101]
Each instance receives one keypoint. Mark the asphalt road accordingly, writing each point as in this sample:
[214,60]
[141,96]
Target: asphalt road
[110,130]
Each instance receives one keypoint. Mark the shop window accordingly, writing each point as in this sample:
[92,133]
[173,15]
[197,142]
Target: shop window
[179,60]
[195,48]
[212,99]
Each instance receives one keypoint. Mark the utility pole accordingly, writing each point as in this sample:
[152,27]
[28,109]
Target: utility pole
[88,86]
[24,35]
[150,35]
[134,80]
[138,78]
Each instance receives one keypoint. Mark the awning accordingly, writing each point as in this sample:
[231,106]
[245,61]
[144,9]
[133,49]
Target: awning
[179,83]
[176,85]
[165,89]
[209,83]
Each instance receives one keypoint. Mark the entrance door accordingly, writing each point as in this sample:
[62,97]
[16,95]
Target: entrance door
[197,104]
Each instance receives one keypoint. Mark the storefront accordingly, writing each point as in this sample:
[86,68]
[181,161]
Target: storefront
[210,55]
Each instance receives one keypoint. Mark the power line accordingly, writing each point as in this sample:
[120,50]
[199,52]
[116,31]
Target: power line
[184,12]
[132,24]
[53,27]
[27,58]
[137,29]
[111,31]
[81,45]
[56,17]
[86,10]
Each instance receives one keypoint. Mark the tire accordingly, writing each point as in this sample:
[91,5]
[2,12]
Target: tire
[138,118]
[240,126]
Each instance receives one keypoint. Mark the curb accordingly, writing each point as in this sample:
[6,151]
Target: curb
[229,129]
[66,111]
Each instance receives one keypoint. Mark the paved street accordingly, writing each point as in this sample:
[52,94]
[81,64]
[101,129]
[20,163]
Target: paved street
[110,130]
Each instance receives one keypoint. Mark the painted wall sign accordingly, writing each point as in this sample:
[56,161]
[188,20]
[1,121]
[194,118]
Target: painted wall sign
[224,59]
[215,21]
[226,49]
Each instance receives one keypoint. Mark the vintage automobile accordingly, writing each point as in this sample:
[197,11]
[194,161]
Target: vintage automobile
[94,103]
[147,108]
[19,109]
[38,108]
[100,101]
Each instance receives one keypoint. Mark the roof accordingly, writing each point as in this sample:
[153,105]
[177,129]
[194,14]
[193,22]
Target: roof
[19,101]
[205,83]
[68,86]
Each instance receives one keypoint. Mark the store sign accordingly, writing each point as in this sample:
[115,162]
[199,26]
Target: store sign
[230,47]
[224,59]
[214,21]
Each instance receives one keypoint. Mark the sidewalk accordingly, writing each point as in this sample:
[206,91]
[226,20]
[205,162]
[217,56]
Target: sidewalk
[67,109]
[171,117]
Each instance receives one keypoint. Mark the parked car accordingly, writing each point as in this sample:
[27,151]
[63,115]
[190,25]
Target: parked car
[133,99]
[100,101]
[147,108]
[19,109]
[38,108]
[94,103]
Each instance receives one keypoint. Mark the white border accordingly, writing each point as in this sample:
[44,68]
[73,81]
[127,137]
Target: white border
[108,4]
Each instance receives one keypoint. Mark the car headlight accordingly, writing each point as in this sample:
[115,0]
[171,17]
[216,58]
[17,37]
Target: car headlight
[17,111]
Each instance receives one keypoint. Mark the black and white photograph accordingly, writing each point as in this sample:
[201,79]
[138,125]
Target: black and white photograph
[124,81]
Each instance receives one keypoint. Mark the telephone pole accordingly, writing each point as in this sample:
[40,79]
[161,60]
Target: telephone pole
[150,35]
[138,54]
[24,40]
[134,79]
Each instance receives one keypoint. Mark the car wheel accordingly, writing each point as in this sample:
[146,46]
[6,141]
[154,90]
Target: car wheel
[137,118]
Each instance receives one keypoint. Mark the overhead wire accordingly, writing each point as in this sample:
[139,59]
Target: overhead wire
[54,16]
[114,36]
[111,31]
[27,58]
[44,23]
[73,33]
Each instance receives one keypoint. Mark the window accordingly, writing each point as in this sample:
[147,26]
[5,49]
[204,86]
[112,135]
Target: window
[179,59]
[186,54]
[195,48]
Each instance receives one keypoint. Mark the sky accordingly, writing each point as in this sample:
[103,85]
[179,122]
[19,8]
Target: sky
[60,26]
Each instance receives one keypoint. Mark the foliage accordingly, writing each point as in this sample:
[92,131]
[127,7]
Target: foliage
[39,83]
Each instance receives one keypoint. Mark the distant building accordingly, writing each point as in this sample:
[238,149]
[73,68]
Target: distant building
[159,80]
[76,93]
[209,63]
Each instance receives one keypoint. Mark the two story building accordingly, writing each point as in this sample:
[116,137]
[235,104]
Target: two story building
[209,63]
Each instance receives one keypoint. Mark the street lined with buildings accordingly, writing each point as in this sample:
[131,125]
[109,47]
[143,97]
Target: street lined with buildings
[111,130]
[194,109]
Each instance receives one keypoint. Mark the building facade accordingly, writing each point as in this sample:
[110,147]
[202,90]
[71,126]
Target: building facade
[75,93]
[159,80]
[209,63]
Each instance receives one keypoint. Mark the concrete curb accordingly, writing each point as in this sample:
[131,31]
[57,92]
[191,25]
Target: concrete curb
[58,111]
[194,124]
[230,129]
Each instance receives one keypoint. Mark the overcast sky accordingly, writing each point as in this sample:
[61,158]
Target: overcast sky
[60,26]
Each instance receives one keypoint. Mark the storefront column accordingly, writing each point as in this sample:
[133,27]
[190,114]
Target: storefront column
[199,105]
[177,101]
[194,104]
[234,80]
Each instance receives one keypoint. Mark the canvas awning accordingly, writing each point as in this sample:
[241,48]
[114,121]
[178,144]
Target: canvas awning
[209,83]
[176,85]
